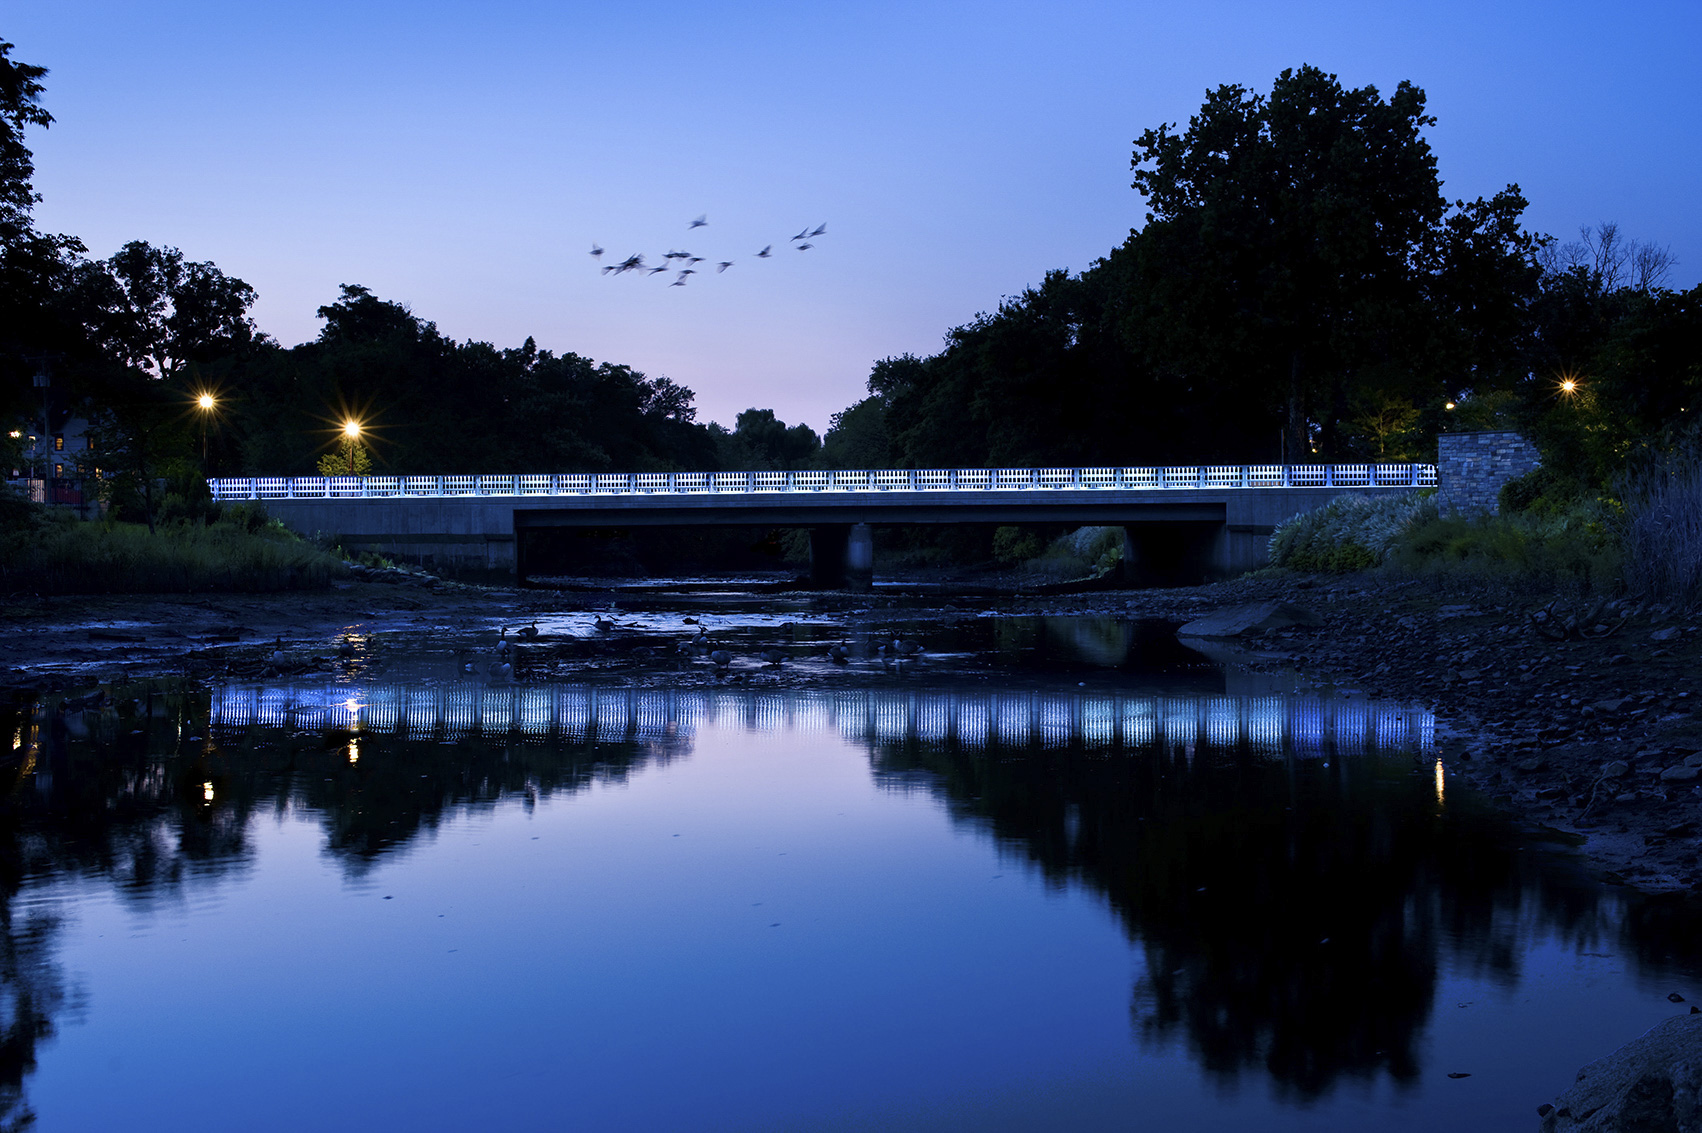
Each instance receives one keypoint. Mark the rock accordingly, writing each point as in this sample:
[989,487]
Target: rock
[1250,618]
[1529,765]
[1613,704]
[1681,774]
[1666,634]
[1693,760]
[1649,1083]
[1615,769]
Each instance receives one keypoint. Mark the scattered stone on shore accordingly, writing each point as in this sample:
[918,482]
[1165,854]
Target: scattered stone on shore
[1652,1084]
[1252,617]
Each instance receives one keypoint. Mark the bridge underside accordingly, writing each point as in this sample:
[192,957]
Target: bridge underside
[1174,535]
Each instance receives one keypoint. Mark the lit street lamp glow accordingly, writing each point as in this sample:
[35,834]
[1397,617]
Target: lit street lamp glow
[205,401]
[351,429]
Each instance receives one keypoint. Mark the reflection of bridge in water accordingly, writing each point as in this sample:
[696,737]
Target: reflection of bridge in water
[970,719]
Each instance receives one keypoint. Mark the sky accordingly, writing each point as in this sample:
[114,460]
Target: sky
[464,157]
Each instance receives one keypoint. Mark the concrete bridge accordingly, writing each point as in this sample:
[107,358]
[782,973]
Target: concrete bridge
[1205,520]
[1270,725]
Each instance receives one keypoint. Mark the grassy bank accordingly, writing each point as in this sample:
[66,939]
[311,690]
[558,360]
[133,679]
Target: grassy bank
[1579,548]
[243,552]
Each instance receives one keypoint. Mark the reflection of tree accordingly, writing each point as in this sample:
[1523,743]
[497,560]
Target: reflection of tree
[1294,916]
[141,796]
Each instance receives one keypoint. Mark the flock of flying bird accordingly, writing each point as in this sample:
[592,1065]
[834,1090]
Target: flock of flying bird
[684,264]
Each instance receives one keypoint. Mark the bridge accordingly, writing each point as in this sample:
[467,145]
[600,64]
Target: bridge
[1212,519]
[1269,725]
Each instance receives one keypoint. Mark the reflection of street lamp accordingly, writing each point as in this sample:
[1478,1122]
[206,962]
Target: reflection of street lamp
[351,437]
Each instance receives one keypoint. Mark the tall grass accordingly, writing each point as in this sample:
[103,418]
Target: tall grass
[1663,533]
[73,557]
[1575,550]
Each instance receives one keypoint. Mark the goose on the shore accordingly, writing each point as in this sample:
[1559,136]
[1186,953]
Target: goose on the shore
[838,653]
[604,625]
[528,632]
[721,658]
[906,648]
[773,654]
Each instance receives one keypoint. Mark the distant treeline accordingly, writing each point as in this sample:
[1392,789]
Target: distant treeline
[1300,288]
[132,341]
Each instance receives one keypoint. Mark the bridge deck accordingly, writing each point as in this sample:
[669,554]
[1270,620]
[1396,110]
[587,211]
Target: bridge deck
[952,480]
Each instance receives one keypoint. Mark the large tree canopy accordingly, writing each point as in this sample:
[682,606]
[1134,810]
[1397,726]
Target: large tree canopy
[1300,285]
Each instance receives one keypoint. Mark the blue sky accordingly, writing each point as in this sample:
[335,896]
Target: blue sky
[463,157]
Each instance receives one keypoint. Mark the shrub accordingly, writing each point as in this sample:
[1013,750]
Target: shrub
[1663,533]
[1578,547]
[68,556]
[1351,532]
[1015,545]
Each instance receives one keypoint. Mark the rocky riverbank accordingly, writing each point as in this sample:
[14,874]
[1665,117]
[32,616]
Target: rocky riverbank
[1578,717]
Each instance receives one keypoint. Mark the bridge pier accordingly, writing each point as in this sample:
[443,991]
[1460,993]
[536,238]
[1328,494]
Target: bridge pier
[842,555]
[860,557]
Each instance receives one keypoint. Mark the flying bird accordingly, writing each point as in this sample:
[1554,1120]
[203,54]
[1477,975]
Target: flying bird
[677,283]
[596,250]
[801,247]
[663,268]
[631,263]
[723,265]
[687,271]
[819,230]
[767,250]
[690,260]
[804,234]
[700,222]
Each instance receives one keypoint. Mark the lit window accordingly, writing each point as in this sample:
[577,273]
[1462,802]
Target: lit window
[58,444]
[59,470]
[89,443]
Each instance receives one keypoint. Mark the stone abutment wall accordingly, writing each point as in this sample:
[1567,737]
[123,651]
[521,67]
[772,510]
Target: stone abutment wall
[1472,467]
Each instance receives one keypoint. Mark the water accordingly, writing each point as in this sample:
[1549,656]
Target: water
[1098,884]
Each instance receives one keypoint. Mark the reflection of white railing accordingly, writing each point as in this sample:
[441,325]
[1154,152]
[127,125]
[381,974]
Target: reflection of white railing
[1307,726]
[1196,476]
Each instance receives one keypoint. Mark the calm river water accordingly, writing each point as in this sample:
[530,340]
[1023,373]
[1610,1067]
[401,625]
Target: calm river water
[1108,890]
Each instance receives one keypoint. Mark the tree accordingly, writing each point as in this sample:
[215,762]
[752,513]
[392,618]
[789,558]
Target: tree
[761,440]
[154,312]
[857,437]
[1286,240]
[20,107]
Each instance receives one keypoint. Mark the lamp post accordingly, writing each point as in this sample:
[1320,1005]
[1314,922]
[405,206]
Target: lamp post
[351,437]
[206,402]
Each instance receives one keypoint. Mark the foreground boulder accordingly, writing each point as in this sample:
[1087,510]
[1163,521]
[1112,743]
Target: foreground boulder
[1649,1085]
[1253,617]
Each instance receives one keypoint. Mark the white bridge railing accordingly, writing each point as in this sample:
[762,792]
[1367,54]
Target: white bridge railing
[1157,478]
